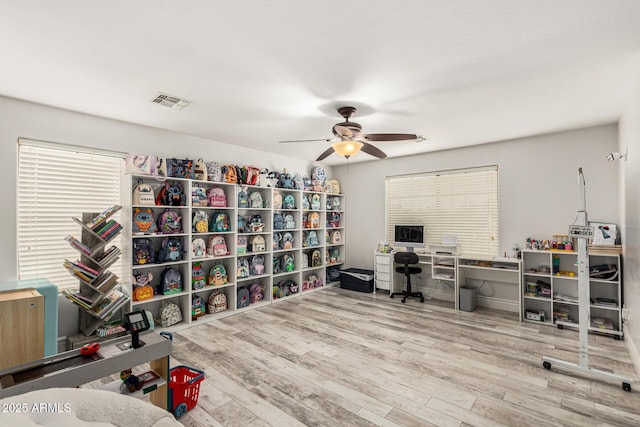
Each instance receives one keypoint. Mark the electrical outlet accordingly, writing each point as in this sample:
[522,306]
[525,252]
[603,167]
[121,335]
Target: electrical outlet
[625,314]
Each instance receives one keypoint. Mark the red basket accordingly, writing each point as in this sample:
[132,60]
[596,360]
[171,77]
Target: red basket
[184,387]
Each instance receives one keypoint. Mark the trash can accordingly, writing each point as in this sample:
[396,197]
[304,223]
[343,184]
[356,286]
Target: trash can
[467,298]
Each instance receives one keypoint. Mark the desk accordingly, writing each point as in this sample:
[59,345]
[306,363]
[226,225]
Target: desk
[502,274]
[43,373]
[425,262]
[445,274]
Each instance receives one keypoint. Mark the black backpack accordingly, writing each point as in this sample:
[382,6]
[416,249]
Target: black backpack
[170,282]
[171,250]
[333,273]
[143,252]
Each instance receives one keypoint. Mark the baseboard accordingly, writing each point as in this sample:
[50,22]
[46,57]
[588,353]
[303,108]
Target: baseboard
[481,301]
[632,349]
[62,344]
[438,294]
[498,304]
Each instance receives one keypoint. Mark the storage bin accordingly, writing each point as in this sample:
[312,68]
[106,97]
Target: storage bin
[467,298]
[357,279]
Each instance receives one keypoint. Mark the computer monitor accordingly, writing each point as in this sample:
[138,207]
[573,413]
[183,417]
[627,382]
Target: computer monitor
[409,236]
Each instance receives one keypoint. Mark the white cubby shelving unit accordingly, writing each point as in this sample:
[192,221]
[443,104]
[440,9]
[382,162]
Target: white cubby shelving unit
[558,272]
[330,218]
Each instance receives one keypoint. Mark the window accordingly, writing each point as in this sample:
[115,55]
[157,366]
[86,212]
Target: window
[463,203]
[55,183]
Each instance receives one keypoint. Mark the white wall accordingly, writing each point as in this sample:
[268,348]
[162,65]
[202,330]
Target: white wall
[537,176]
[23,119]
[538,186]
[630,200]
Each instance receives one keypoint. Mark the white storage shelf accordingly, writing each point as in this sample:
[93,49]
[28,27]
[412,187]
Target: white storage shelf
[443,268]
[558,271]
[327,213]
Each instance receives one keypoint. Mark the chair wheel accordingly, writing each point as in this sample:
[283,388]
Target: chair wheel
[391,296]
[421,299]
[403,301]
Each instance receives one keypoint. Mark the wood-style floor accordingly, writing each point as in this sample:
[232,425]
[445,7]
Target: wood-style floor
[342,358]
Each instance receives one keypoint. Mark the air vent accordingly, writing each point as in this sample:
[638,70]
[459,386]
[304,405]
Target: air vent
[170,101]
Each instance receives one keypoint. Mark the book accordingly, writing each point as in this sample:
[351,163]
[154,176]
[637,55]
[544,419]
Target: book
[98,219]
[107,261]
[107,253]
[75,270]
[108,257]
[108,302]
[112,232]
[607,302]
[104,281]
[104,227]
[79,299]
[106,314]
[85,267]
[77,244]
[601,323]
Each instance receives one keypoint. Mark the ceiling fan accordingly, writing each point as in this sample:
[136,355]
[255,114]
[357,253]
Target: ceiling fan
[349,139]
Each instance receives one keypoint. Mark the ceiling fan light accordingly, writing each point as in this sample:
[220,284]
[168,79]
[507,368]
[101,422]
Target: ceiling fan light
[347,149]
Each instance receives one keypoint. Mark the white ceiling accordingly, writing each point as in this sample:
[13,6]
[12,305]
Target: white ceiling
[460,72]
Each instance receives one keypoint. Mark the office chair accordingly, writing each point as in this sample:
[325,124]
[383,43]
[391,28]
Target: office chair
[406,258]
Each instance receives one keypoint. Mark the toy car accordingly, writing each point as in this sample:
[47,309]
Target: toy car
[89,349]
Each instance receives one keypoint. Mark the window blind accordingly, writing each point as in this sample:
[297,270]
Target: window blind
[55,183]
[463,203]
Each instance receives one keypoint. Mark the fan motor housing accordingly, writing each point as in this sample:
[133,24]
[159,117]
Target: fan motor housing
[352,126]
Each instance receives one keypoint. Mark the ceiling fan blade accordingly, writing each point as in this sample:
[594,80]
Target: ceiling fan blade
[374,151]
[389,136]
[305,140]
[326,154]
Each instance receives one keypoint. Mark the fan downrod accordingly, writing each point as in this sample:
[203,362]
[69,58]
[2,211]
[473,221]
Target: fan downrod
[347,112]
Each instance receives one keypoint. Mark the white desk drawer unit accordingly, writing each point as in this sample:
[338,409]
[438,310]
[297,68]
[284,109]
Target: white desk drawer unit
[383,277]
[382,269]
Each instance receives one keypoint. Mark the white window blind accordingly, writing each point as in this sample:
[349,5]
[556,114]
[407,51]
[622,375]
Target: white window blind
[463,203]
[55,183]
